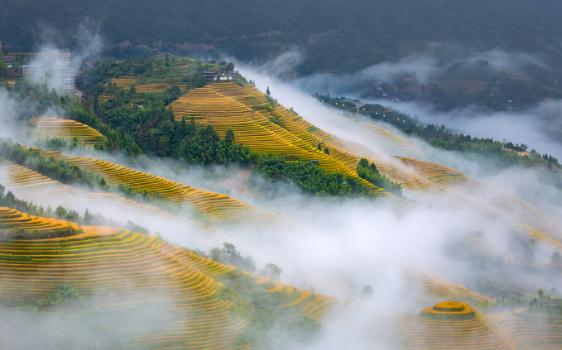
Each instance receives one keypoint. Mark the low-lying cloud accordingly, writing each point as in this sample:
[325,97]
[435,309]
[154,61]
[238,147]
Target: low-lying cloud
[346,245]
[57,67]
[425,66]
[539,126]
[338,246]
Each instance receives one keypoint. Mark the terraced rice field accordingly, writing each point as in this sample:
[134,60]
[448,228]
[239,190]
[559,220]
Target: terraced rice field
[134,270]
[422,332]
[9,84]
[450,310]
[313,306]
[437,174]
[13,222]
[66,129]
[527,329]
[127,271]
[255,129]
[424,174]
[390,137]
[208,205]
[151,88]
[277,130]
[448,326]
[124,82]
[34,187]
[127,82]
[436,288]
[411,173]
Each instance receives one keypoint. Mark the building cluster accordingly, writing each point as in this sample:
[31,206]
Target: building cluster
[13,68]
[60,68]
[22,64]
[229,74]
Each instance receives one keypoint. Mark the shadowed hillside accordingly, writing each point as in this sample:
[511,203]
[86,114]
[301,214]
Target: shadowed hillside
[338,35]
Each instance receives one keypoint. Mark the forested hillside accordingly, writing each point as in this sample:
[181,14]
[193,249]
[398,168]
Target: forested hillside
[338,35]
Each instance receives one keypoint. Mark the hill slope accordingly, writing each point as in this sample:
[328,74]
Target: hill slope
[339,35]
[194,303]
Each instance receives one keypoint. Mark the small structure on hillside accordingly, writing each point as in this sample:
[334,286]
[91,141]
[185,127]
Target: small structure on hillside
[226,74]
[221,76]
[211,75]
[450,310]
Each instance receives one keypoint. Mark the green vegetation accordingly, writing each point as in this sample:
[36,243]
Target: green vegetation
[229,255]
[142,124]
[61,295]
[271,271]
[366,33]
[370,173]
[265,311]
[347,37]
[309,177]
[270,322]
[67,173]
[500,154]
[8,199]
[48,166]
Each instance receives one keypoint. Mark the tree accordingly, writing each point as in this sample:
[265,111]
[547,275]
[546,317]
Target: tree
[3,68]
[271,271]
[367,291]
[229,138]
[62,294]
[172,94]
[540,294]
[228,254]
[61,213]
[364,163]
[88,218]
[268,92]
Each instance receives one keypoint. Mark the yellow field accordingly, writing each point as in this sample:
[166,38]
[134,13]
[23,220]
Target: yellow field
[421,332]
[134,270]
[450,310]
[438,288]
[256,130]
[9,84]
[314,306]
[425,174]
[144,88]
[15,222]
[127,271]
[273,129]
[208,205]
[66,129]
[524,329]
[124,82]
[34,187]
[435,328]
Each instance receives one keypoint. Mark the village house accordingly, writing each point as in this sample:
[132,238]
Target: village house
[221,76]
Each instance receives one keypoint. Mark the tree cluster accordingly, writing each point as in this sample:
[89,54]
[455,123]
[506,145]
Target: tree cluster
[370,173]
